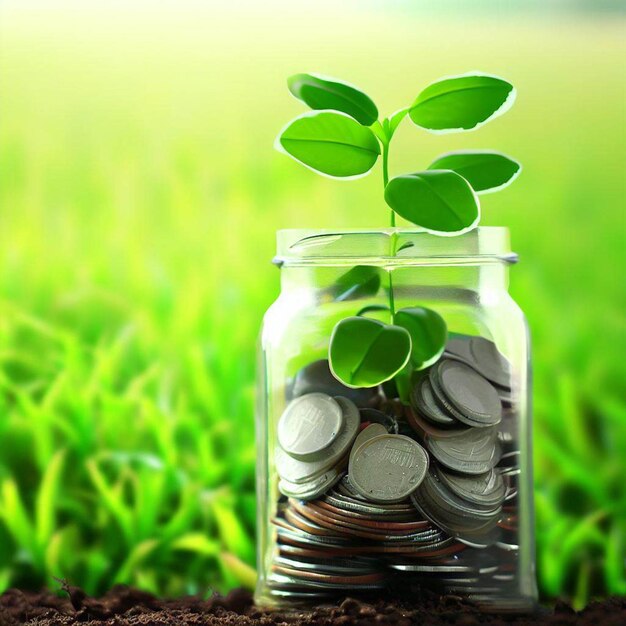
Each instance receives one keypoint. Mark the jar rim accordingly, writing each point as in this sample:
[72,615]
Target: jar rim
[413,246]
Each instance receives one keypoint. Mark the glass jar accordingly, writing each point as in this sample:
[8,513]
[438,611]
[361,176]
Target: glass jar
[467,528]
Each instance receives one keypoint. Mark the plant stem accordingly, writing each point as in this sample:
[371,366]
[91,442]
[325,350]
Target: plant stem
[392,306]
[386,177]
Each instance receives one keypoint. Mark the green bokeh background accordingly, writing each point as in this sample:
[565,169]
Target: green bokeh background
[139,195]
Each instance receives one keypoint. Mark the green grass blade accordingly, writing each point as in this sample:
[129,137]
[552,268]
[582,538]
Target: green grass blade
[47,496]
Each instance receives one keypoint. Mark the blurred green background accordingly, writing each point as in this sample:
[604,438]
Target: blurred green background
[139,196]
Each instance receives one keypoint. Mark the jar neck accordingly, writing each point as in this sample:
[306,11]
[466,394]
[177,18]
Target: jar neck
[428,281]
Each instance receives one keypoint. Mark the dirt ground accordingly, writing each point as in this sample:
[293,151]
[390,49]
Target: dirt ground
[124,606]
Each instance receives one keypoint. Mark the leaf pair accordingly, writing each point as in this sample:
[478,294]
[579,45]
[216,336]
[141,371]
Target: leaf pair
[443,198]
[365,352]
[334,139]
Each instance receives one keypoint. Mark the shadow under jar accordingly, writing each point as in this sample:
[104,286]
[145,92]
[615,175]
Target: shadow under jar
[363,492]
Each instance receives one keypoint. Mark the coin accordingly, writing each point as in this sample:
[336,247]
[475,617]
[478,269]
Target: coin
[373,430]
[296,471]
[317,377]
[336,567]
[452,515]
[315,580]
[456,506]
[295,536]
[313,489]
[349,507]
[340,533]
[423,427]
[309,425]
[338,579]
[423,399]
[408,532]
[483,356]
[388,468]
[432,569]
[474,452]
[485,489]
[467,521]
[465,393]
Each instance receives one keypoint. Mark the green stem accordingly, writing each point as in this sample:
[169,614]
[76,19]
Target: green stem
[392,306]
[386,178]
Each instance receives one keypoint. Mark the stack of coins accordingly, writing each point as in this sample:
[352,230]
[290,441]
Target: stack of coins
[374,491]
[315,435]
[483,356]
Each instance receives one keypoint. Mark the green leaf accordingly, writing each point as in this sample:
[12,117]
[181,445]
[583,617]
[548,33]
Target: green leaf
[321,92]
[484,170]
[331,143]
[245,574]
[136,556]
[440,201]
[197,542]
[16,518]
[231,530]
[462,102]
[373,308]
[365,352]
[359,282]
[47,497]
[428,332]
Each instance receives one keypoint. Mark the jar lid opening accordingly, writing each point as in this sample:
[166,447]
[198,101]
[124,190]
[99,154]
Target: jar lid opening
[391,246]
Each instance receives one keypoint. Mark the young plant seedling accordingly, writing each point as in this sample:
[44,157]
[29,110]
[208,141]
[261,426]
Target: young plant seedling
[342,137]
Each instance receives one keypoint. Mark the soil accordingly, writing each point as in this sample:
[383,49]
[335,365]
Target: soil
[124,606]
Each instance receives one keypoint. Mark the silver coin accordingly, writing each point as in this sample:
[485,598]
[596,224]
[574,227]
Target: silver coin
[493,365]
[441,508]
[432,569]
[483,356]
[308,539]
[466,394]
[455,514]
[373,430]
[299,472]
[455,526]
[423,399]
[309,425]
[388,468]
[423,427]
[485,489]
[317,377]
[330,566]
[365,509]
[312,489]
[449,501]
[474,452]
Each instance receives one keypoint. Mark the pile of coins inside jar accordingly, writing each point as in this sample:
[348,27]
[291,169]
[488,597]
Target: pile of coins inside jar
[372,489]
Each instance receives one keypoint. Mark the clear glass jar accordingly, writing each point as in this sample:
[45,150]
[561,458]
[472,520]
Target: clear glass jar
[337,543]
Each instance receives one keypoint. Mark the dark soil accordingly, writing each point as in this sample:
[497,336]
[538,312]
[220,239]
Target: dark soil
[124,606]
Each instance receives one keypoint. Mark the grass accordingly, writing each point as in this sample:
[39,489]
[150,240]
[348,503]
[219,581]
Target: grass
[139,196]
